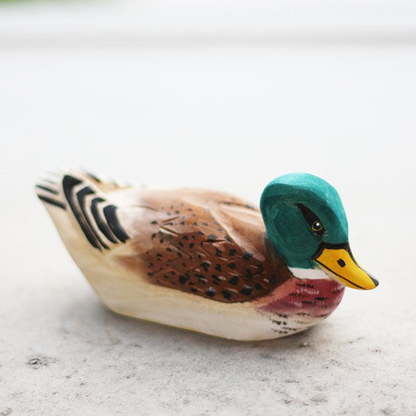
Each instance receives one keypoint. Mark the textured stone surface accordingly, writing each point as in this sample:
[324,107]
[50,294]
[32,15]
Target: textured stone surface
[231,119]
[63,353]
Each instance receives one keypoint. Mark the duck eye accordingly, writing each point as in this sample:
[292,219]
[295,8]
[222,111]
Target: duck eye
[317,227]
[312,219]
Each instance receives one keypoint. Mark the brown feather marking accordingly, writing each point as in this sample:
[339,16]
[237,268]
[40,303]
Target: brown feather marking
[213,247]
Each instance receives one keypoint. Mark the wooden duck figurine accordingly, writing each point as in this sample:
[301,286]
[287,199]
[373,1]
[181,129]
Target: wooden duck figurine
[208,261]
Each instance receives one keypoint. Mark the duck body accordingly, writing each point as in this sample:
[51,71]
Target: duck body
[193,259]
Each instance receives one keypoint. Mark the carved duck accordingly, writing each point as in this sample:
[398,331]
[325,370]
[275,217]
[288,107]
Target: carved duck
[208,261]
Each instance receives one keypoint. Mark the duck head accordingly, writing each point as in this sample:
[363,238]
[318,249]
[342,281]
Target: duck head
[306,223]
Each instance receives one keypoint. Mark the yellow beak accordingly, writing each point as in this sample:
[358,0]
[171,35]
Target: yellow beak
[342,267]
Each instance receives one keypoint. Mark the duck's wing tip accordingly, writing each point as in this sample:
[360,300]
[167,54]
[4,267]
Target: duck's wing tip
[79,193]
[49,190]
[102,182]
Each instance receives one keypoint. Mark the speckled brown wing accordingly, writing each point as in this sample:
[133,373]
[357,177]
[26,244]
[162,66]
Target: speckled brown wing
[202,242]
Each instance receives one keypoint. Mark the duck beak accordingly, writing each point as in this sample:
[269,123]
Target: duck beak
[341,265]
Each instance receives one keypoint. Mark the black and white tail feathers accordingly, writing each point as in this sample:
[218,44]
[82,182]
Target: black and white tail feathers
[82,195]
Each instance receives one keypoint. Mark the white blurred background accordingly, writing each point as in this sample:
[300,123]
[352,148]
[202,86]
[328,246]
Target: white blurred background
[210,93]
[215,94]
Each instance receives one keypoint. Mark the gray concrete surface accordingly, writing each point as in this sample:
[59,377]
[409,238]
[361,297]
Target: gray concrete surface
[223,118]
[63,353]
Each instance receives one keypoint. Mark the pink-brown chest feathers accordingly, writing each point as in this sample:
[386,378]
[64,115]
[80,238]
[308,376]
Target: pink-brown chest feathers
[304,297]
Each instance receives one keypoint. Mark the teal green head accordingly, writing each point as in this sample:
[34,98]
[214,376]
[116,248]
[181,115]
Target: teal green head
[306,223]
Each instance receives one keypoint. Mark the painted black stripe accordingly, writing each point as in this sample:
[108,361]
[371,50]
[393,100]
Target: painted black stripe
[342,277]
[68,182]
[93,177]
[113,222]
[51,201]
[98,220]
[45,188]
[310,217]
[81,200]
[346,247]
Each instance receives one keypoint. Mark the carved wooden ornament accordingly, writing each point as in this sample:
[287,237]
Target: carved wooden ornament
[208,261]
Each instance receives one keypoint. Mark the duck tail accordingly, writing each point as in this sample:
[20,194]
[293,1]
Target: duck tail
[78,203]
